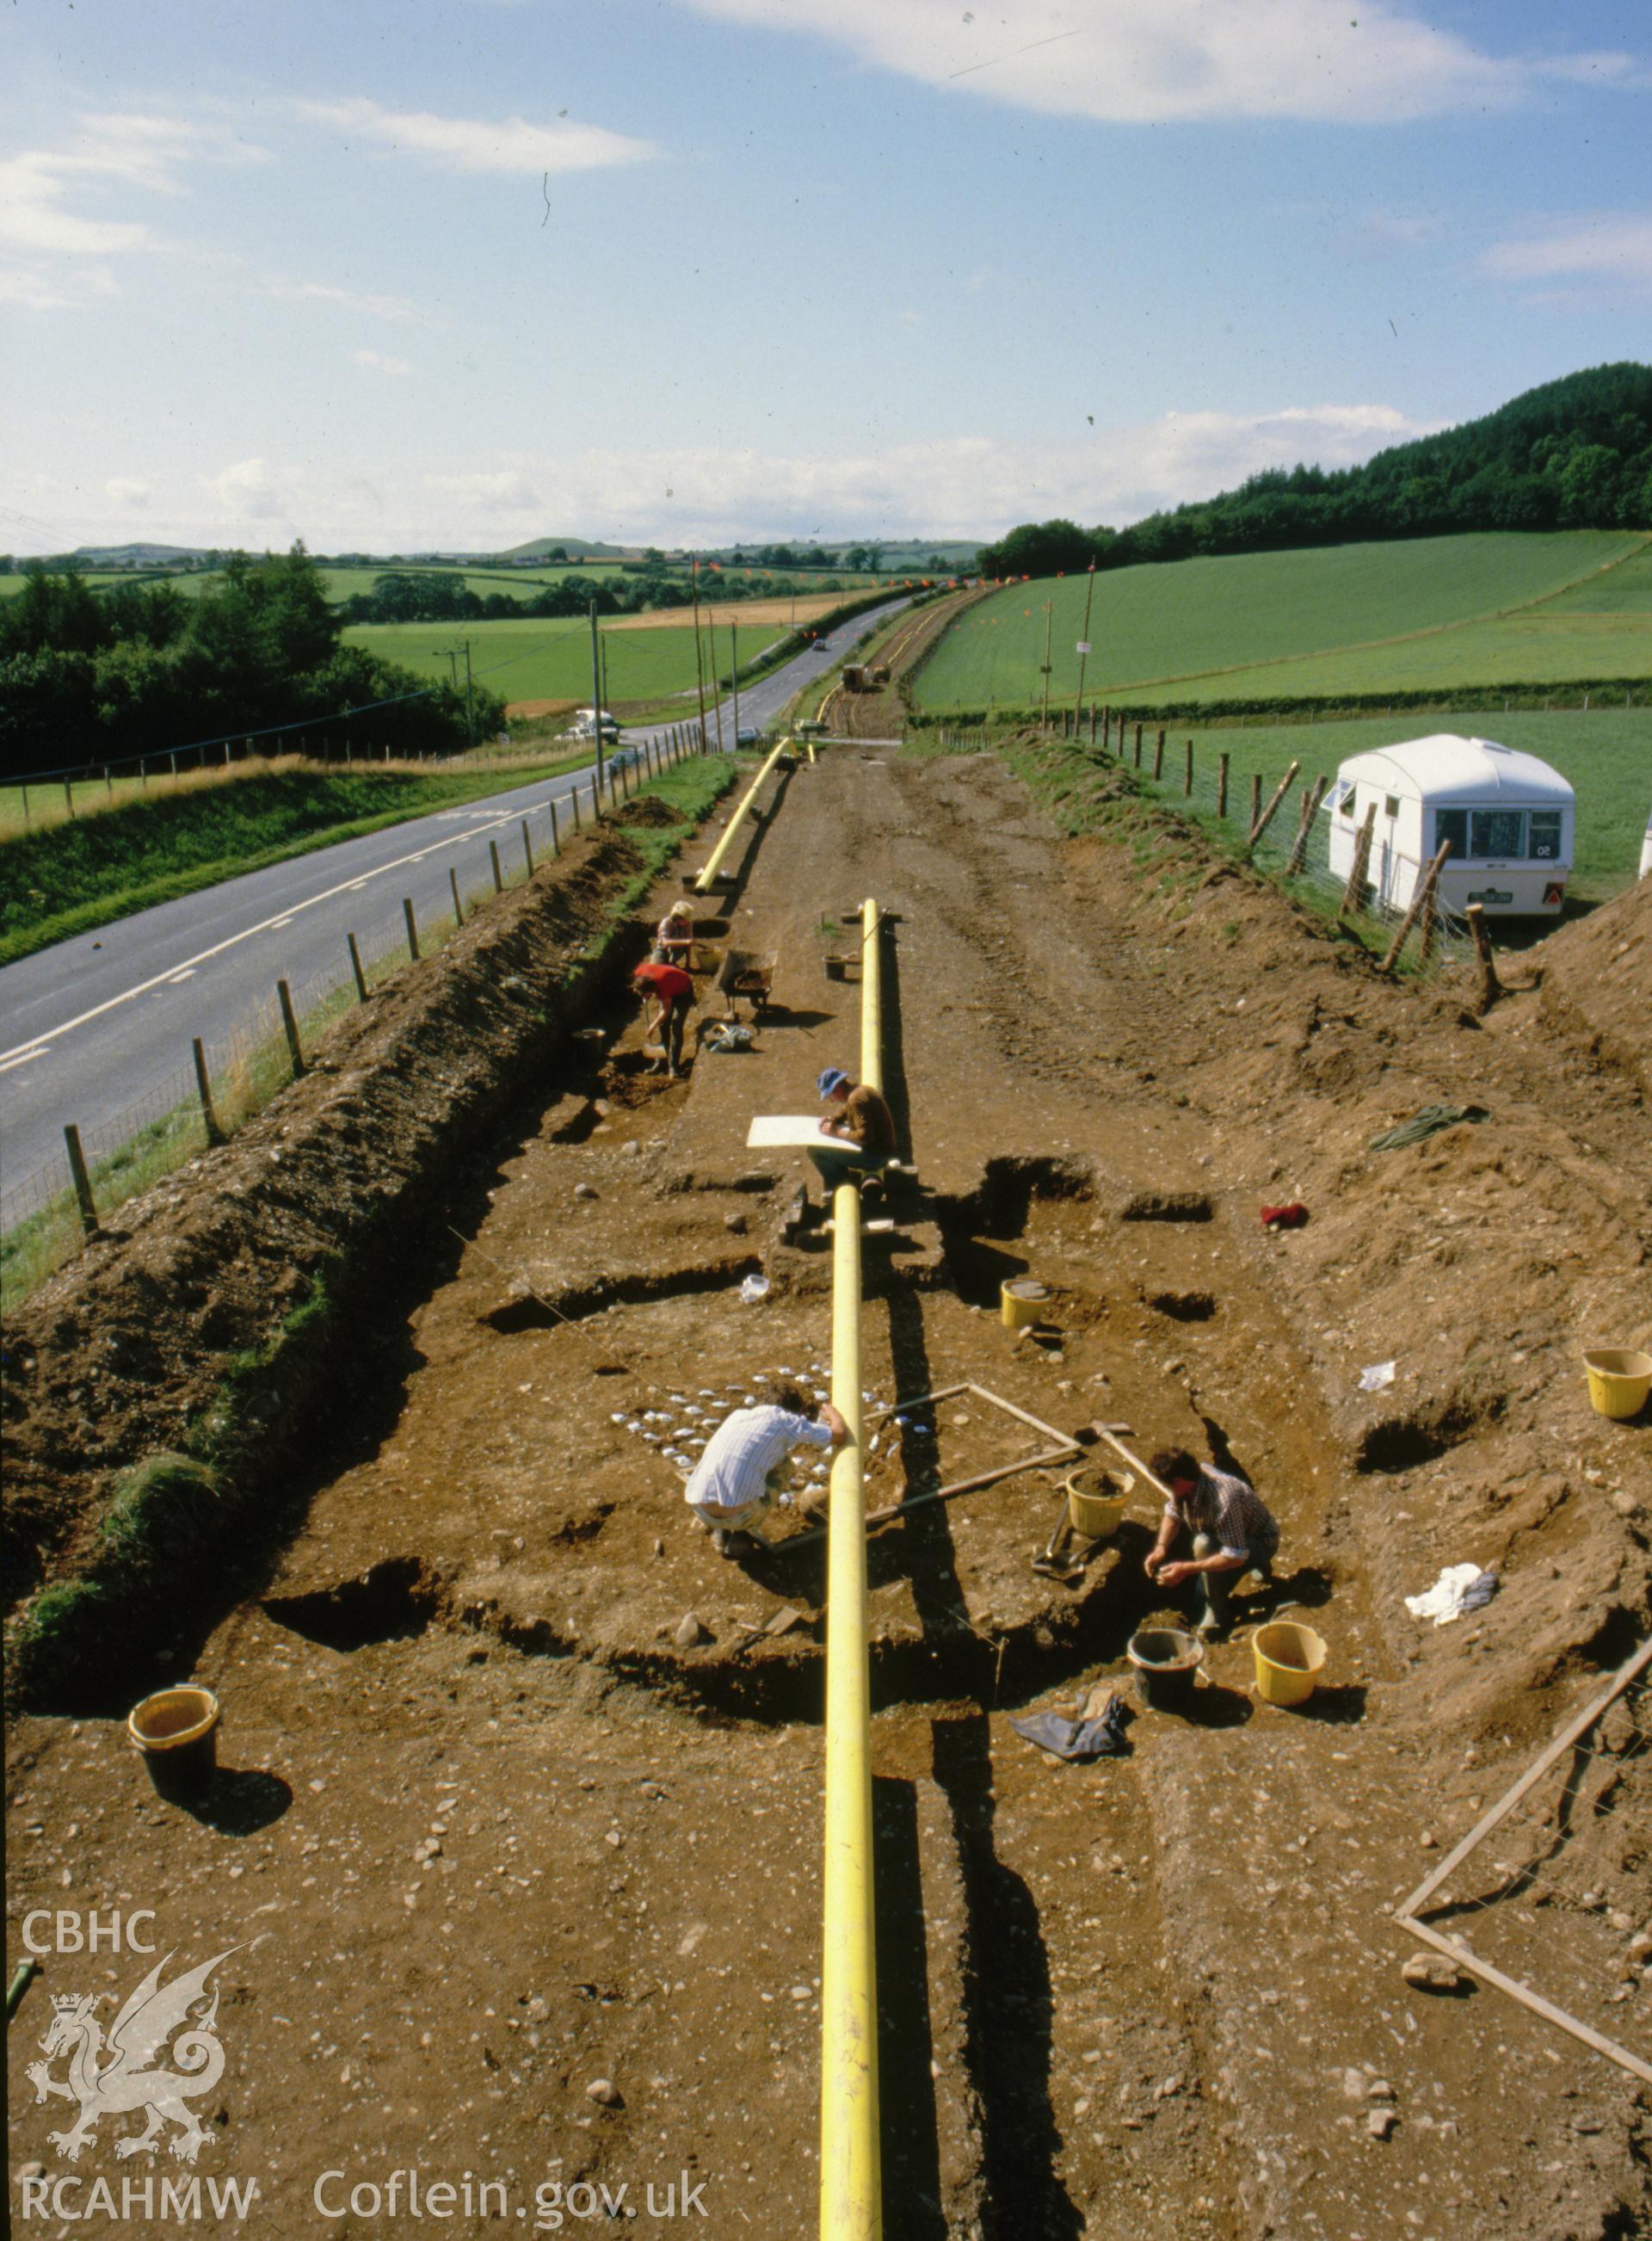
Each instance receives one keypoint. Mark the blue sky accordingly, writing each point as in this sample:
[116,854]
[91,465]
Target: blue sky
[397,275]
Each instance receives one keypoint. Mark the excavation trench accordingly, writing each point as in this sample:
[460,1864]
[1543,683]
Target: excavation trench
[519,1710]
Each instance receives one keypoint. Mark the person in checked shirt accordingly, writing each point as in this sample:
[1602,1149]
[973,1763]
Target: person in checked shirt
[1232,1531]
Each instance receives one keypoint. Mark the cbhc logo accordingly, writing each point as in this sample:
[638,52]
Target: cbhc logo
[73,1932]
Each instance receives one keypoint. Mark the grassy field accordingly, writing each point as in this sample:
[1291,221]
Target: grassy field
[75,876]
[1338,618]
[550,660]
[1607,754]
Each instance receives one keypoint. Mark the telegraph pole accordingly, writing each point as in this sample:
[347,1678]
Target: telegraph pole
[1084,644]
[1049,623]
[734,675]
[470,697]
[596,690]
[699,677]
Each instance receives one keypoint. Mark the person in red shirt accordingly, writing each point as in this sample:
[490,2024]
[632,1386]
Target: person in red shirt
[673,991]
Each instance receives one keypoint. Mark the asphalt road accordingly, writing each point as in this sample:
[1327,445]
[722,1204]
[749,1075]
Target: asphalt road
[98,1030]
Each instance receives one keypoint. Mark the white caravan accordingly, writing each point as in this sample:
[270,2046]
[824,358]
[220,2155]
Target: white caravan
[1508,816]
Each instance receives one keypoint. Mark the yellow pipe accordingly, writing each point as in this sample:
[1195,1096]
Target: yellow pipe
[851,2187]
[870,1000]
[703,885]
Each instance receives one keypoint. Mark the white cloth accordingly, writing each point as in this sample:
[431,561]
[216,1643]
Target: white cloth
[1457,1589]
[743,1450]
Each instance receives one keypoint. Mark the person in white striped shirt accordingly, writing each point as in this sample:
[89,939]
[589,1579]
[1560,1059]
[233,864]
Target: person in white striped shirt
[733,1482]
[1234,1531]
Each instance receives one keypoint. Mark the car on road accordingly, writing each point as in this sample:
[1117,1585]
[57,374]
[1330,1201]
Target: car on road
[747,736]
[584,725]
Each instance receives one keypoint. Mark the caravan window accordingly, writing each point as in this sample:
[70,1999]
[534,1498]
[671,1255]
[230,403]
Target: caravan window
[1546,835]
[1498,832]
[1452,824]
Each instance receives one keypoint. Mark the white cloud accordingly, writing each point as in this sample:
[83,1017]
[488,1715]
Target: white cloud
[109,152]
[250,491]
[1608,247]
[374,361]
[1141,62]
[953,487]
[344,299]
[129,491]
[476,145]
[59,288]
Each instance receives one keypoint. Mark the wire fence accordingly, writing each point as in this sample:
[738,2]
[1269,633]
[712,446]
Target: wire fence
[1552,1896]
[1287,833]
[219,1084]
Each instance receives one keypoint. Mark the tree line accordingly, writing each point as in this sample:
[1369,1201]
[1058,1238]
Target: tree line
[94,676]
[1574,454]
[433,595]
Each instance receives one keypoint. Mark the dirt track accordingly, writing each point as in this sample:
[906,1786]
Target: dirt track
[494,1833]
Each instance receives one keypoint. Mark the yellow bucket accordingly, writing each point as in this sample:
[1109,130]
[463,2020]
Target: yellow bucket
[1618,1380]
[1096,1500]
[1021,1301]
[1287,1658]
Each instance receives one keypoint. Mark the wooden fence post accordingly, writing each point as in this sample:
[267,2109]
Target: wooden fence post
[1138,741]
[1312,796]
[204,1085]
[1221,786]
[1255,800]
[1159,756]
[1420,894]
[1428,930]
[289,1023]
[527,847]
[573,796]
[556,837]
[459,908]
[1260,825]
[355,967]
[1490,987]
[498,876]
[413,928]
[68,794]
[82,1181]
[1187,777]
[1354,893]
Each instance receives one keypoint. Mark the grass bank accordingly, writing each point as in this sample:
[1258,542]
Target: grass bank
[86,873]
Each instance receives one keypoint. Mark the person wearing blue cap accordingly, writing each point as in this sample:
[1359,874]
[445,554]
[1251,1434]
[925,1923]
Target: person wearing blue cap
[864,1124]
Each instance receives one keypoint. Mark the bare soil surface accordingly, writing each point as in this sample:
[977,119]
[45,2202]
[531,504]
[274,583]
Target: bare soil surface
[519,1786]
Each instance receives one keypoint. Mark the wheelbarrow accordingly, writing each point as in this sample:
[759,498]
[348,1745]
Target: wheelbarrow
[748,973]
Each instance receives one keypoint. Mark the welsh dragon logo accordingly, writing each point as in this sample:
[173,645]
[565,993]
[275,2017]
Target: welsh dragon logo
[122,2084]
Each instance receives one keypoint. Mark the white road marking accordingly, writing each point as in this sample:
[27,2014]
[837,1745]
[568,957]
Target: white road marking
[202,957]
[177,979]
[21,1058]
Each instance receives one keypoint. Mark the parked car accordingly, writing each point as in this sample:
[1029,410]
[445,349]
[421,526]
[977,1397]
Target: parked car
[748,736]
[584,725]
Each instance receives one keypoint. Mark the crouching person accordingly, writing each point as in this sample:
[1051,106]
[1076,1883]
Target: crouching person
[1232,1529]
[736,1479]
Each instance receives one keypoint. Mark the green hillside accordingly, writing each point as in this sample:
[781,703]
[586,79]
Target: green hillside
[1477,609]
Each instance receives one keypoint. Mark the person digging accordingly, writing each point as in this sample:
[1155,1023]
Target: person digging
[737,1477]
[673,991]
[1232,1527]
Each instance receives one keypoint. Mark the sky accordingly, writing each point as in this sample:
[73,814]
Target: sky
[411,275]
